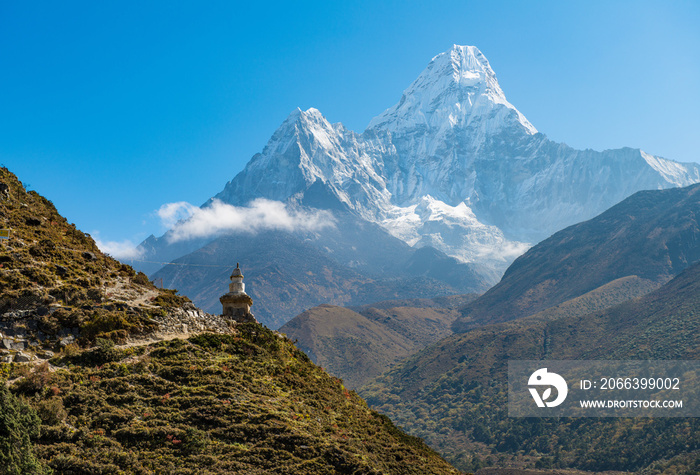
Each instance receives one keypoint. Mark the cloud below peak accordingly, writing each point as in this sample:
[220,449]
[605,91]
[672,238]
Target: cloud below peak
[187,221]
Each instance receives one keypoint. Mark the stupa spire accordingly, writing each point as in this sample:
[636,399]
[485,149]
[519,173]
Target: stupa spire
[236,303]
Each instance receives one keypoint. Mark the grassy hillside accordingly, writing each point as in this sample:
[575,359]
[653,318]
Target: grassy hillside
[56,286]
[652,235]
[453,393]
[359,345]
[243,400]
[247,402]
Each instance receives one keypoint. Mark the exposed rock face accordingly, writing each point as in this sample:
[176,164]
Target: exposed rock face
[22,357]
[189,319]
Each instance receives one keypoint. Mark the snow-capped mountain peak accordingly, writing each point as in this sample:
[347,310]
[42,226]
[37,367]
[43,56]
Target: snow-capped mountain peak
[469,68]
[453,165]
[457,89]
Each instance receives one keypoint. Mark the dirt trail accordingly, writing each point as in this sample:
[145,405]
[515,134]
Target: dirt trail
[123,291]
[155,338]
[181,322]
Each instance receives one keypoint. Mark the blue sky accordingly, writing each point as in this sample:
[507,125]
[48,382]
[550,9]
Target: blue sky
[112,109]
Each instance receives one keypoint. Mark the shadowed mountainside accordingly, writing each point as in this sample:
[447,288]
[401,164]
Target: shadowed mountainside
[453,393]
[286,275]
[651,236]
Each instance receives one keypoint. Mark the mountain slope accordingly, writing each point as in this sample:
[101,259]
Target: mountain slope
[243,400]
[347,344]
[359,345]
[56,287]
[453,393]
[247,402]
[652,235]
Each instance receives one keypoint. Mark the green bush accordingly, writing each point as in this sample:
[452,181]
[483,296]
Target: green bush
[142,279]
[19,423]
[51,411]
[169,298]
[34,381]
[106,324]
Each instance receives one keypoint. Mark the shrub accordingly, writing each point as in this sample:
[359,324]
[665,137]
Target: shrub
[51,411]
[18,425]
[169,298]
[35,381]
[142,279]
[102,323]
[127,270]
[104,344]
[70,350]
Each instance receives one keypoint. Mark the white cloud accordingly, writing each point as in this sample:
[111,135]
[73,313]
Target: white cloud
[123,250]
[189,222]
[171,213]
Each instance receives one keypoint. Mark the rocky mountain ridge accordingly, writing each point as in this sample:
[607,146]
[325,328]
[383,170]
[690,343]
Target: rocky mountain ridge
[649,237]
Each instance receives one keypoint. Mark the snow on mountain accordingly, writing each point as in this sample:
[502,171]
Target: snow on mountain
[307,148]
[458,88]
[452,165]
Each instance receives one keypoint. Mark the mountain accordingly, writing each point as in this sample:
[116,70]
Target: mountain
[452,166]
[215,397]
[575,295]
[649,237]
[359,344]
[355,263]
[454,393]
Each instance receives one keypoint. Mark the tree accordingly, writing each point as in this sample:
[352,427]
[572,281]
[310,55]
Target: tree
[19,423]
